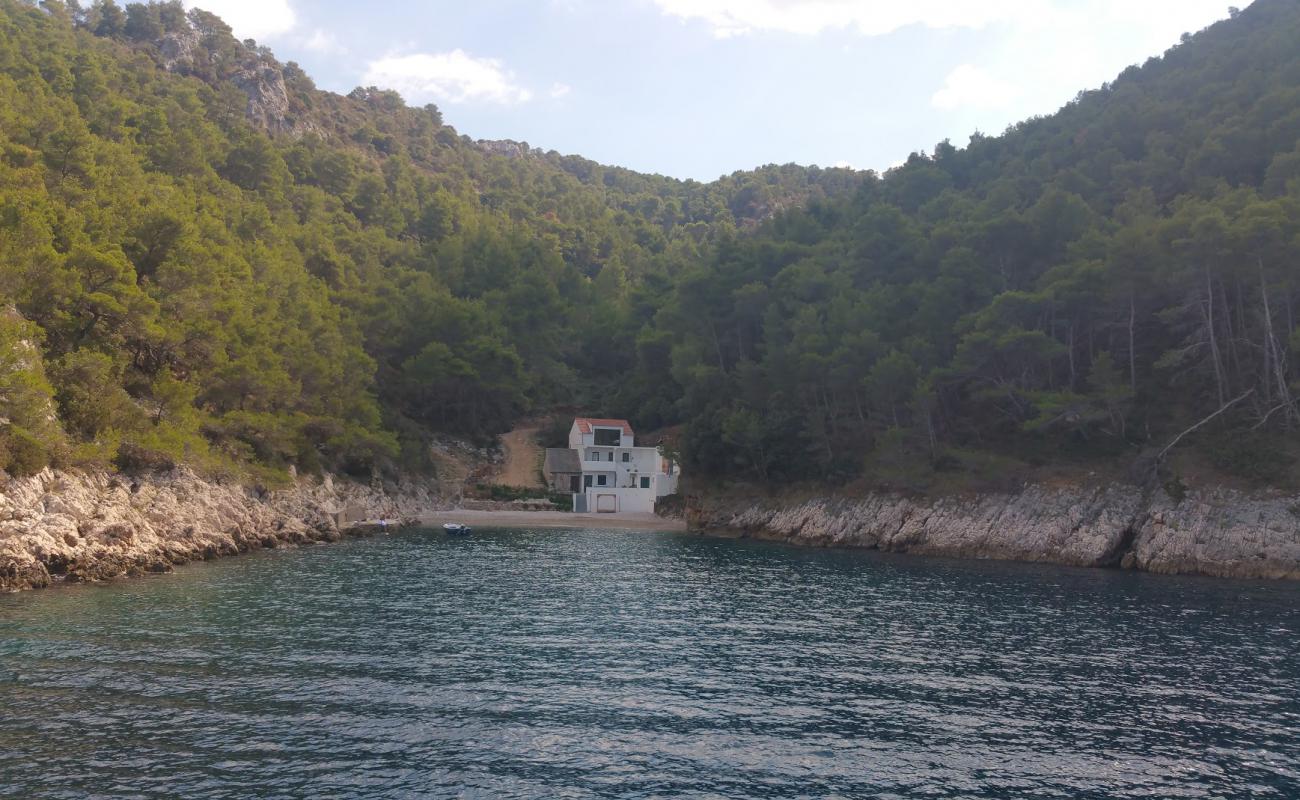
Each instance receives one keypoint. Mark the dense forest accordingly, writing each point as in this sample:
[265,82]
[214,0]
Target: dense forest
[213,262]
[206,259]
[1074,293]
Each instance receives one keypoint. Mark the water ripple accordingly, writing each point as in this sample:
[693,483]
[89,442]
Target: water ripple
[608,664]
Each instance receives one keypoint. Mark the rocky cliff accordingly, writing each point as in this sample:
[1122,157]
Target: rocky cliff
[250,69]
[63,526]
[1221,533]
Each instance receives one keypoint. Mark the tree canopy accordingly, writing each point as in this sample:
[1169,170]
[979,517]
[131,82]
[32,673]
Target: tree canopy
[204,258]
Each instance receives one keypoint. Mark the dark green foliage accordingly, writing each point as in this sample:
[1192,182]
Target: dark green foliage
[504,494]
[30,436]
[1257,458]
[206,290]
[556,432]
[323,288]
[1083,286]
[134,459]
[21,452]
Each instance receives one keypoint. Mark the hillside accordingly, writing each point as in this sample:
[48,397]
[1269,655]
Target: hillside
[209,260]
[1071,295]
[225,266]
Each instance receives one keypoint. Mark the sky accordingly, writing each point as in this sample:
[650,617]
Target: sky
[702,88]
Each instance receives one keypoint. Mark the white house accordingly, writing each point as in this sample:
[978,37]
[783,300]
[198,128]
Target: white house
[606,472]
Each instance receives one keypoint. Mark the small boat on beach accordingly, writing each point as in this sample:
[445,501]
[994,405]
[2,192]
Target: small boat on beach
[455,529]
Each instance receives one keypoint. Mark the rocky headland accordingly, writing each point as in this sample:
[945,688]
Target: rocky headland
[78,527]
[1221,532]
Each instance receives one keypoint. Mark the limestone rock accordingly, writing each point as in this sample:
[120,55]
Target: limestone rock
[504,147]
[78,527]
[1222,533]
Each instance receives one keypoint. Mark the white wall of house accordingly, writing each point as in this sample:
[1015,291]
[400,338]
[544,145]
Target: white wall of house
[629,467]
[621,476]
[620,501]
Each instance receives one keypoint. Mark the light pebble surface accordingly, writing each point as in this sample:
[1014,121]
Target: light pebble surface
[555,519]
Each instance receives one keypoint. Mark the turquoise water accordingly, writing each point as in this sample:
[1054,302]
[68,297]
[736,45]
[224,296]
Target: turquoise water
[619,664]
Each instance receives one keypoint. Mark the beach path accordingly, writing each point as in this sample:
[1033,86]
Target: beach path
[523,459]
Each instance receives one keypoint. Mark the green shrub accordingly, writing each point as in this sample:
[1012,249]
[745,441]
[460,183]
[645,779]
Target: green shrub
[136,459]
[556,432]
[1258,458]
[90,395]
[505,494]
[22,453]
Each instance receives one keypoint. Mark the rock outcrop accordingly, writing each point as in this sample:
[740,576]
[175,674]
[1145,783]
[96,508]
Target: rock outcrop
[504,147]
[176,50]
[262,82]
[1221,533]
[250,69]
[65,526]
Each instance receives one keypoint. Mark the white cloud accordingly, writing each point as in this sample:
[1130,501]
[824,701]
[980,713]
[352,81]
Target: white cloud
[869,17]
[1158,21]
[252,19]
[559,90]
[454,77]
[969,86]
[322,41]
[1049,51]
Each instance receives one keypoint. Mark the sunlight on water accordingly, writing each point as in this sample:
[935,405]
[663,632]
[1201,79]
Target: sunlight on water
[615,664]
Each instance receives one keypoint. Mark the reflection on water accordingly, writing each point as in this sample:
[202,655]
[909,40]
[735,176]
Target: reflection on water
[616,664]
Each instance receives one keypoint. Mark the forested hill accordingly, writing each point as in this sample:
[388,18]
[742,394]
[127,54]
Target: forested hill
[1072,294]
[223,265]
[212,261]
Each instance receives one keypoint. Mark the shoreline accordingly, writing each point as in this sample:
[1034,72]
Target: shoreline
[553,519]
[82,527]
[67,528]
[1214,533]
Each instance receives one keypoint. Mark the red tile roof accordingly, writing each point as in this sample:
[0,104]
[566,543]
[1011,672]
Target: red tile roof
[585,424]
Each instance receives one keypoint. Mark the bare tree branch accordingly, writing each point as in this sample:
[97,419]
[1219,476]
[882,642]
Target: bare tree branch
[1223,408]
[1270,413]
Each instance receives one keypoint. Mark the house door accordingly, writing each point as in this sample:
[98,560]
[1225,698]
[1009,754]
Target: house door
[573,483]
[607,503]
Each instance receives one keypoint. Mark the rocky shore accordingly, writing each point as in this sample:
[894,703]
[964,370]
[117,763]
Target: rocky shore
[76,527]
[1220,533]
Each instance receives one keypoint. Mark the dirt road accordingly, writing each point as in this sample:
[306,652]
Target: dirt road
[523,462]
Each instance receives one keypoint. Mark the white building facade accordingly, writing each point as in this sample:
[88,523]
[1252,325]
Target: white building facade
[615,475]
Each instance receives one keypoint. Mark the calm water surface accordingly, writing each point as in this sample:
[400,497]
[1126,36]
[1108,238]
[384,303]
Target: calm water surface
[616,664]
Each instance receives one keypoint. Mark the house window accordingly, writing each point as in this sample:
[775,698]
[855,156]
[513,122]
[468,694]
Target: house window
[592,455]
[586,481]
[600,480]
[627,457]
[645,483]
[608,437]
[611,456]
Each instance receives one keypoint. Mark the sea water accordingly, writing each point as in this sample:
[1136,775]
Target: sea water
[592,663]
